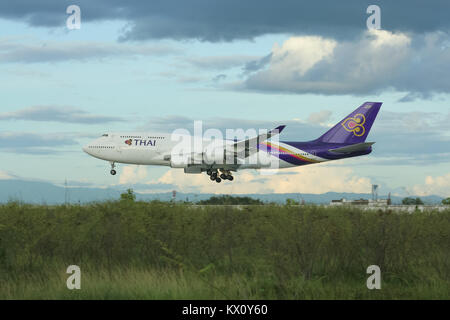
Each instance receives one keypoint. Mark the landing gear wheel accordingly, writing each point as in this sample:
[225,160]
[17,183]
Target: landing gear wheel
[223,176]
[230,177]
[113,165]
[208,172]
[218,180]
[212,177]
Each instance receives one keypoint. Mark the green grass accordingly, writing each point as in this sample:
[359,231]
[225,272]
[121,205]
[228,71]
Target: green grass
[137,250]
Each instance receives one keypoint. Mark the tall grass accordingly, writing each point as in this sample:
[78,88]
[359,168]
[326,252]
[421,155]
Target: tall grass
[138,250]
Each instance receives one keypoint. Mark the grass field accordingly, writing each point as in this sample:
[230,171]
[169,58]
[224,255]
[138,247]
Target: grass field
[138,250]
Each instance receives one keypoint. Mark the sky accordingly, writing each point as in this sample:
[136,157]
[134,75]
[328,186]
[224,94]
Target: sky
[158,66]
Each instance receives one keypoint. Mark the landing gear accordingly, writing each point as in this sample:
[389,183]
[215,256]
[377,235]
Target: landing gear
[113,172]
[215,176]
[226,175]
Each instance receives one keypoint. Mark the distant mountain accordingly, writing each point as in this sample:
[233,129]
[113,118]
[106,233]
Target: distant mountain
[44,192]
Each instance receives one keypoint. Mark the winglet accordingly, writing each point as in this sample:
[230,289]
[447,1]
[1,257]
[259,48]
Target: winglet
[279,128]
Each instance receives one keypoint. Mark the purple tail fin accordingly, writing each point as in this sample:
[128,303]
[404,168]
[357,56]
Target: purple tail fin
[355,127]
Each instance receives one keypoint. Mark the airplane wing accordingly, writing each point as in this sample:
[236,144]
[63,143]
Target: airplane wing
[239,150]
[352,148]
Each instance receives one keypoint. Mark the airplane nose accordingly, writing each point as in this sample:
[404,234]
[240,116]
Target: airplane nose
[85,149]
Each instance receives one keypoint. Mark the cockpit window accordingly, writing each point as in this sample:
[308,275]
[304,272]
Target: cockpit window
[104,135]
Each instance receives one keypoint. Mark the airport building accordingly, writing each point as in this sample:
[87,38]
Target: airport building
[374,202]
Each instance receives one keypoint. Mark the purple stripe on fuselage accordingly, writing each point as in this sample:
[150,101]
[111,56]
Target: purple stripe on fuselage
[316,148]
[290,158]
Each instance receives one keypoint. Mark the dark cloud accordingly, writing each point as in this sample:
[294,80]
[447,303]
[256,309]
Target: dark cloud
[57,114]
[411,96]
[258,64]
[234,19]
[75,51]
[32,143]
[219,77]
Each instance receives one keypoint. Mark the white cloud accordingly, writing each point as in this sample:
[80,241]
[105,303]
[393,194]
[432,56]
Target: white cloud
[377,61]
[320,117]
[133,174]
[299,54]
[439,185]
[317,179]
[6,176]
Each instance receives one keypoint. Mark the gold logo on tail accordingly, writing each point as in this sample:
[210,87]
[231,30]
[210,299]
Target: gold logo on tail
[355,124]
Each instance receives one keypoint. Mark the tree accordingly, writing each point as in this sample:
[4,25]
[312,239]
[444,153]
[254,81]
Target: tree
[128,196]
[229,200]
[446,201]
[291,202]
[412,201]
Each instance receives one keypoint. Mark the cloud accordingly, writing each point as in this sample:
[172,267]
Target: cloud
[320,117]
[6,175]
[411,96]
[45,51]
[234,19]
[423,136]
[315,179]
[220,62]
[186,79]
[375,62]
[63,114]
[32,143]
[189,79]
[439,185]
[132,174]
[258,64]
[219,77]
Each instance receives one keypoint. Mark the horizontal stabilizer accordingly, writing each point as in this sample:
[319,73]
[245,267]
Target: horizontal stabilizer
[352,148]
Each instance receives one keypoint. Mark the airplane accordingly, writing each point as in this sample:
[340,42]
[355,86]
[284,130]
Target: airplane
[346,139]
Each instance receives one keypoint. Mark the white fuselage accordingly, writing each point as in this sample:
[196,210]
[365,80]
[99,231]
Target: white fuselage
[186,152]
